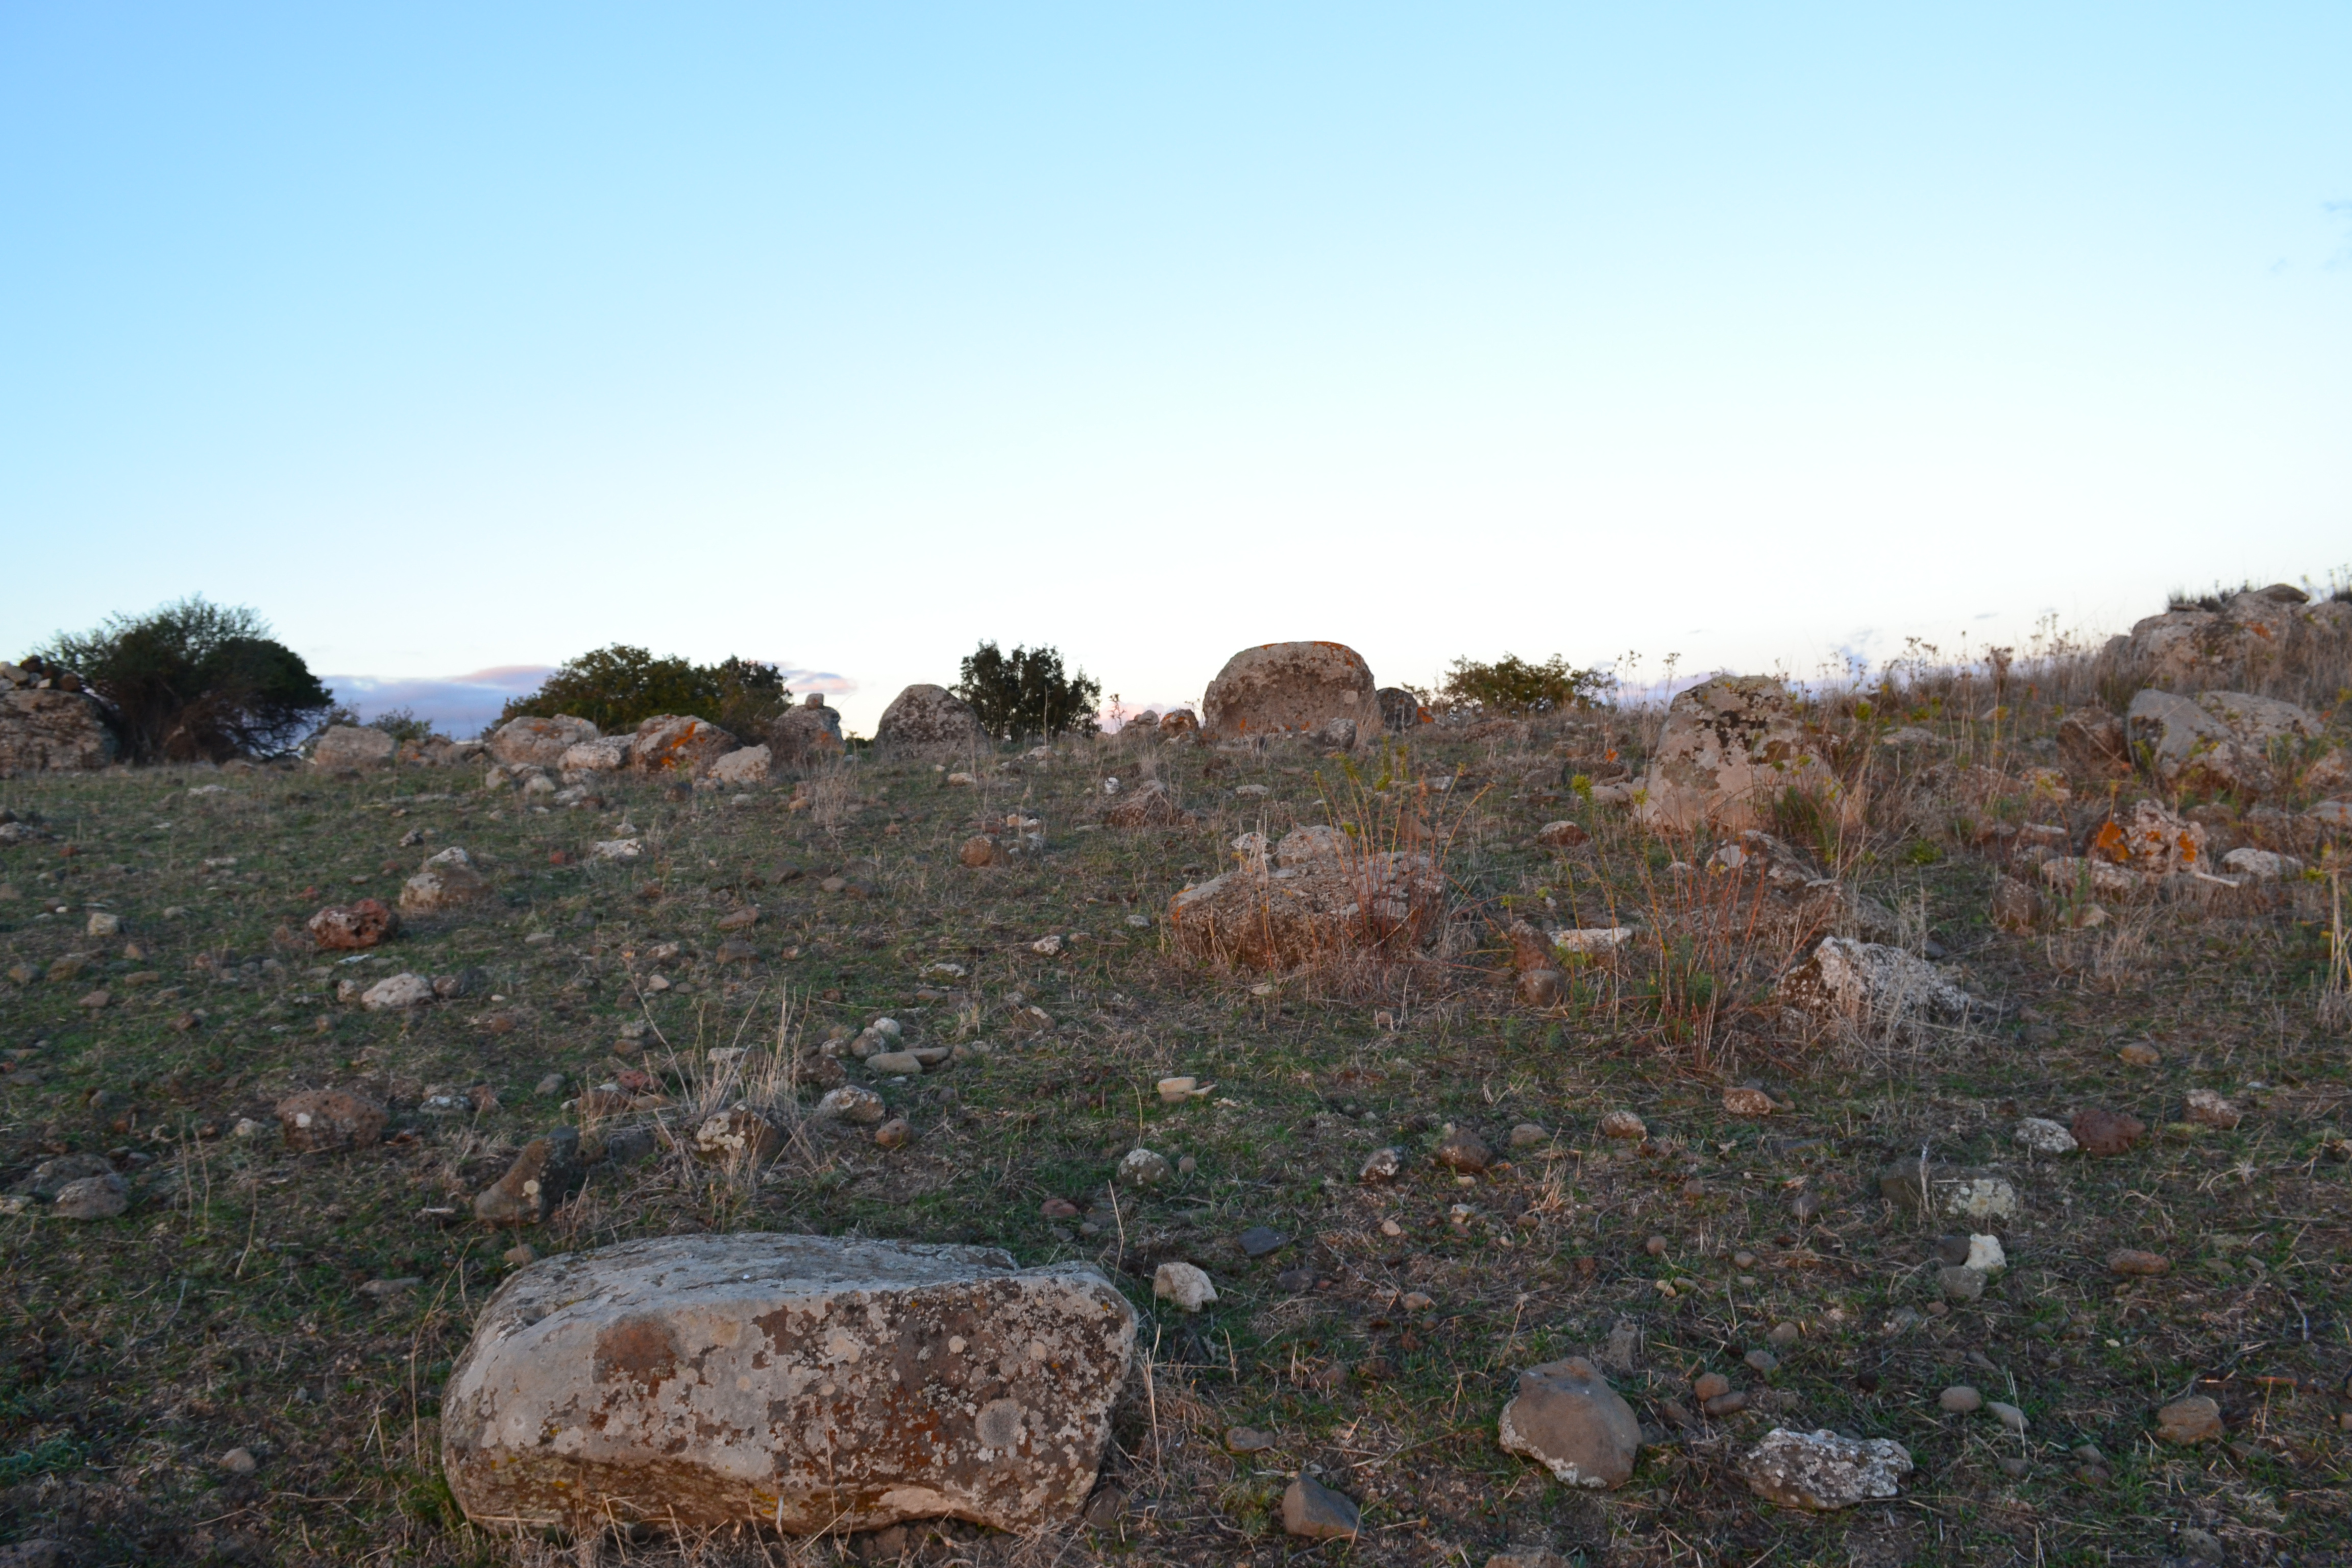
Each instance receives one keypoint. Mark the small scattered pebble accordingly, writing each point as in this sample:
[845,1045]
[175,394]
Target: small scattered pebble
[1710,1386]
[1247,1440]
[2010,1416]
[239,1461]
[1783,1335]
[1655,1246]
[1961,1399]
[1763,1362]
[520,1253]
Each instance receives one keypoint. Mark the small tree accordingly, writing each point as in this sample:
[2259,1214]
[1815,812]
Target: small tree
[1026,693]
[195,681]
[1512,685]
[618,687]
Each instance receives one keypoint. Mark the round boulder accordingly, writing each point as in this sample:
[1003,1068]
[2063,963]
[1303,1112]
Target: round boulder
[1289,688]
[926,718]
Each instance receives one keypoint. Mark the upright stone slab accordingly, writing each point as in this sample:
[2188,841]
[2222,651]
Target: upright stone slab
[809,1382]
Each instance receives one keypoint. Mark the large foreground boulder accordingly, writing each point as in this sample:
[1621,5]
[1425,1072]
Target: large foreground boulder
[806,733]
[539,743]
[925,719]
[810,1383]
[1729,749]
[44,730]
[1318,897]
[1323,688]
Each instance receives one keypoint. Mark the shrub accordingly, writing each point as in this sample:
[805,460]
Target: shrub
[618,687]
[402,725]
[1512,685]
[194,682]
[1026,693]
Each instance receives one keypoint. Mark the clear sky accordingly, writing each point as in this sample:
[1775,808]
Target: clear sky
[457,337]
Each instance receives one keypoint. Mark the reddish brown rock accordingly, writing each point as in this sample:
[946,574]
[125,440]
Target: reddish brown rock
[672,742]
[981,850]
[2196,1419]
[1463,1151]
[2107,1131]
[347,928]
[2131,1260]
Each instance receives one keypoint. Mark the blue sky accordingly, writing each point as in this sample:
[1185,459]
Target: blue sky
[462,339]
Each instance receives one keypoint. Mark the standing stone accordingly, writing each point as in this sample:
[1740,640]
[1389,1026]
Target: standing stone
[353,746]
[1730,748]
[537,742]
[51,730]
[1567,1418]
[1282,688]
[925,719]
[806,733]
[803,1382]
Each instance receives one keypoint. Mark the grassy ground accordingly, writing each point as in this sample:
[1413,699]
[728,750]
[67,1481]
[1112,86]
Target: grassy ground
[225,1309]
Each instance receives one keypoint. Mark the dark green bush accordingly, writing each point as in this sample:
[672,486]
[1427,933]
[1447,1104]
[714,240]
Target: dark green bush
[1512,685]
[618,687]
[1026,694]
[194,682]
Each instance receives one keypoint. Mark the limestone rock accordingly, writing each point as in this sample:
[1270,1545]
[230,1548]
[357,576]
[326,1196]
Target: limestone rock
[1823,1471]
[348,928]
[322,1120]
[1730,747]
[1567,1418]
[1313,1512]
[2210,1110]
[924,720]
[1179,724]
[1381,1165]
[604,755]
[1320,895]
[1185,1284]
[547,1172]
[1561,835]
[1949,1191]
[806,1382]
[52,731]
[2261,865]
[353,746]
[53,1174]
[1290,688]
[806,733]
[1624,1124]
[748,765]
[1144,1168]
[2080,877]
[851,1103]
[673,743]
[1864,982]
[2044,1136]
[94,1197]
[740,1134]
[2246,638]
[537,742]
[398,992]
[446,880]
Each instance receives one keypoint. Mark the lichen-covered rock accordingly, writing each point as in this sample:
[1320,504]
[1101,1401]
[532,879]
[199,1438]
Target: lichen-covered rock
[539,743]
[673,743]
[1863,981]
[1950,1192]
[448,880]
[747,766]
[2248,637]
[806,733]
[1401,710]
[1823,1471]
[2217,740]
[1568,1419]
[397,992]
[46,730]
[548,1171]
[925,719]
[321,1121]
[1730,748]
[1292,688]
[604,755]
[1318,896]
[806,1382]
[353,746]
[94,1197]
[2016,905]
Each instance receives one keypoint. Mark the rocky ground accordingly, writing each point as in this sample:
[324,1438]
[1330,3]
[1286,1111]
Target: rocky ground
[1646,1159]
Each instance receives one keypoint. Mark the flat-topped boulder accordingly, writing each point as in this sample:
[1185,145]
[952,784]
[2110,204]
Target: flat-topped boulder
[809,1382]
